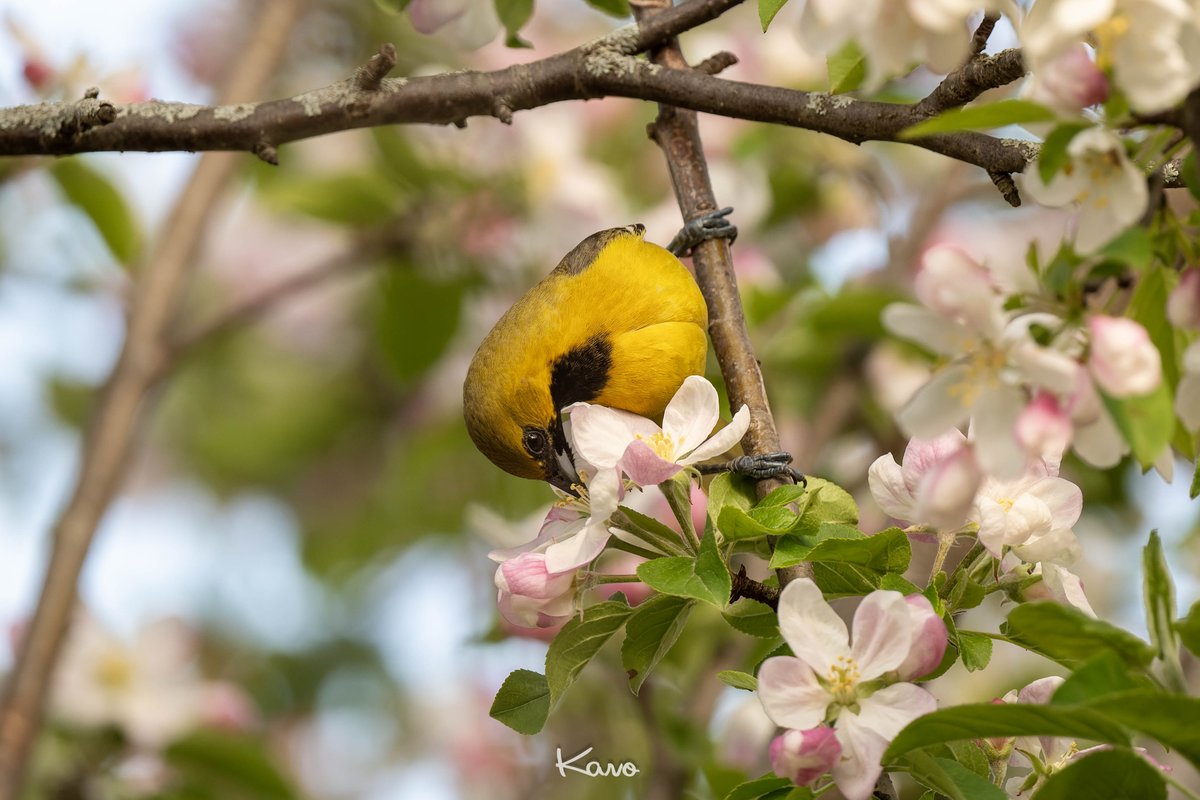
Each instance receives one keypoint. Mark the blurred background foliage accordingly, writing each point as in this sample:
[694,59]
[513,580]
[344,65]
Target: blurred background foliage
[306,501]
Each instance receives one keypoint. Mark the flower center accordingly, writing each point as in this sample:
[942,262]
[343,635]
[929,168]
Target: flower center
[661,443]
[842,680]
[1006,503]
[982,373]
[1107,35]
[114,671]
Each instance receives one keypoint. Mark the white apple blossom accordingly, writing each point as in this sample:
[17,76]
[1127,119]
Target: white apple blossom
[1183,304]
[648,454]
[149,688]
[1187,394]
[846,683]
[1152,47]
[1109,189]
[895,34]
[465,23]
[991,360]
[804,756]
[1123,359]
[576,529]
[935,486]
[530,595]
[1027,514]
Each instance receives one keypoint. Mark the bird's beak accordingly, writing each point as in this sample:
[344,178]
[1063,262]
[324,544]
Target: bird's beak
[560,467]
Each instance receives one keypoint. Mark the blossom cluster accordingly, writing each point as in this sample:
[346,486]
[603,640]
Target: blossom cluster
[615,452]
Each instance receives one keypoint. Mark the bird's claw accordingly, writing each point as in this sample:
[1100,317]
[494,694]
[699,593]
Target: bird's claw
[712,225]
[760,467]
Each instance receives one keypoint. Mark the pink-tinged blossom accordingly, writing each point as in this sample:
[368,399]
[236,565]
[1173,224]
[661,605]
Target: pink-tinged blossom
[929,640]
[466,23]
[1044,428]
[834,679]
[804,756]
[649,454]
[576,528]
[991,360]
[1187,394]
[1026,512]
[936,485]
[1109,189]
[1123,359]
[1183,304]
[1069,82]
[1096,438]
[532,596]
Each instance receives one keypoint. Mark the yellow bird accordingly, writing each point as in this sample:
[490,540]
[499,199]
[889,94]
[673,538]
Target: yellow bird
[619,322]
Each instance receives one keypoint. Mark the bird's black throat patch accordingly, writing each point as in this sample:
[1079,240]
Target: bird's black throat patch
[579,375]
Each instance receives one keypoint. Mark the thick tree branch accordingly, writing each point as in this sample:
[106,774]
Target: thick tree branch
[606,67]
[121,410]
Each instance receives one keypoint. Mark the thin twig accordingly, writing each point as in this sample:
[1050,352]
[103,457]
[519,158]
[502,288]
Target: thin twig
[121,411]
[745,586]
[982,33]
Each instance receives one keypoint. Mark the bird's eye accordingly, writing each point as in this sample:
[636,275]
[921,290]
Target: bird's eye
[534,441]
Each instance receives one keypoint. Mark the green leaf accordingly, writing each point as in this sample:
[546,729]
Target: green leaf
[970,784]
[705,578]
[1147,304]
[1169,718]
[1191,174]
[970,755]
[580,640]
[651,524]
[617,8]
[767,9]
[513,15]
[950,779]
[847,68]
[988,721]
[1070,637]
[844,580]
[1145,421]
[523,702]
[237,764]
[1194,491]
[758,788]
[650,632]
[975,649]
[1111,774]
[753,619]
[886,551]
[772,516]
[392,6]
[738,680]
[1134,247]
[1053,156]
[728,489]
[105,206]
[1158,592]
[1189,629]
[1104,674]
[982,117]
[828,503]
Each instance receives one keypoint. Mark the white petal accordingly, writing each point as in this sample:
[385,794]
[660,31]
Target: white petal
[995,427]
[882,633]
[887,711]
[1066,587]
[944,337]
[862,751]
[816,634]
[723,440]
[887,487]
[692,414]
[581,549]
[790,694]
[1063,498]
[939,405]
[600,434]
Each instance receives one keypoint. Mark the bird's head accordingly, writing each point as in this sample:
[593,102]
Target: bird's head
[516,425]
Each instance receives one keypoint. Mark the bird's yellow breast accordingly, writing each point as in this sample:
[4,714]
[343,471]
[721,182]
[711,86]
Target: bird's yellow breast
[615,305]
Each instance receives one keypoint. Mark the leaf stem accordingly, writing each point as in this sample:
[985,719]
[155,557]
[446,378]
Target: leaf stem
[617,543]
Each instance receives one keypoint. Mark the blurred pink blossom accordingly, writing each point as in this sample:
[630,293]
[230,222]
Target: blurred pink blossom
[1123,359]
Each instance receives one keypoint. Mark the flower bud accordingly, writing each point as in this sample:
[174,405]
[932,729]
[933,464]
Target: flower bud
[530,595]
[947,491]
[1183,304]
[1070,82]
[1123,359]
[804,756]
[1044,428]
[928,639]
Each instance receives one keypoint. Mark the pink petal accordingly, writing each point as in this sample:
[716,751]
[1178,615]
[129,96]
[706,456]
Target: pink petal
[947,492]
[804,756]
[882,633]
[692,414]
[429,15]
[790,694]
[646,467]
[816,634]
[928,641]
[722,440]
[600,434]
[922,455]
